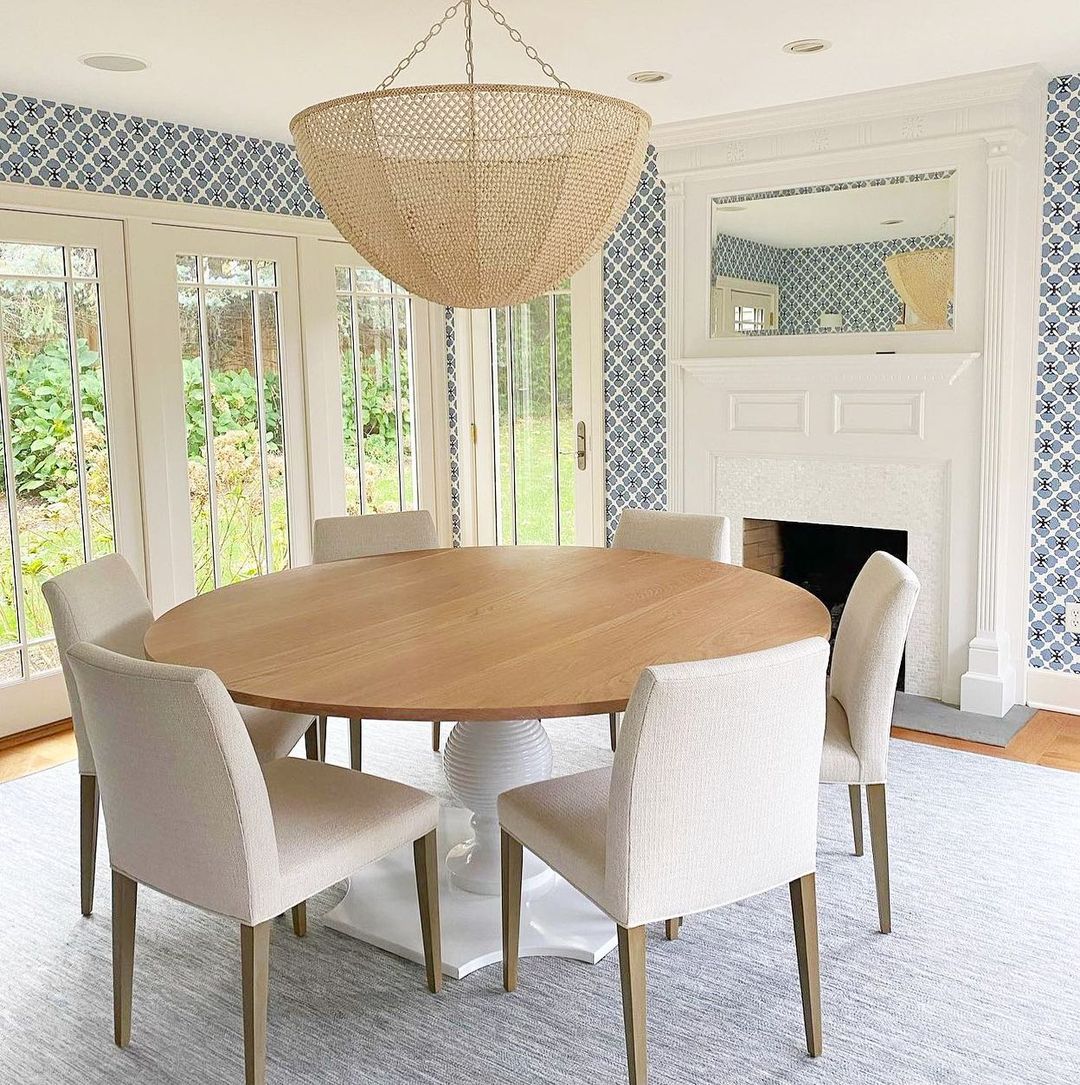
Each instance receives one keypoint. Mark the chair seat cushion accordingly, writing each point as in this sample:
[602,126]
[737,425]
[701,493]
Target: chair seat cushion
[839,761]
[564,821]
[331,821]
[273,734]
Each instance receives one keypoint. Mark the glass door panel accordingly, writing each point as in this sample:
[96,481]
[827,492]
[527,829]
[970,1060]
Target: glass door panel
[230,336]
[377,369]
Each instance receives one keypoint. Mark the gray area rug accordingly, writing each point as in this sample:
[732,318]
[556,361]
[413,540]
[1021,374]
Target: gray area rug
[979,982]
[937,718]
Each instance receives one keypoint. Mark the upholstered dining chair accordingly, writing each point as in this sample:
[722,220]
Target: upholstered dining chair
[190,813]
[862,688]
[339,538]
[712,798]
[686,535]
[102,602]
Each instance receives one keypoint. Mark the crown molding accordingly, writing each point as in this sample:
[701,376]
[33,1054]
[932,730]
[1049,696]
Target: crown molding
[1002,86]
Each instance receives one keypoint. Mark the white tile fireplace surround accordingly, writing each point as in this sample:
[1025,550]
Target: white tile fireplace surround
[884,441]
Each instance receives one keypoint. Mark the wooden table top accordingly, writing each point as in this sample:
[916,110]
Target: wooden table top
[477,633]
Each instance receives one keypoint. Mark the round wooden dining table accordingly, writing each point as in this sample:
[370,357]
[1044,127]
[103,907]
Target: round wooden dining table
[495,639]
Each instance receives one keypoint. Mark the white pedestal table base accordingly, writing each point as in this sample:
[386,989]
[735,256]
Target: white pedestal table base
[380,908]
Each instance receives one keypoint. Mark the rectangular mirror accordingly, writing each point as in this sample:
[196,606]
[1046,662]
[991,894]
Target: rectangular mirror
[848,257]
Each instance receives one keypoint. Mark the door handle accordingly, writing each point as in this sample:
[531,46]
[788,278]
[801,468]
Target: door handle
[582,456]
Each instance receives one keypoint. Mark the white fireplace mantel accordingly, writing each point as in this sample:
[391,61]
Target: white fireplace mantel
[844,417]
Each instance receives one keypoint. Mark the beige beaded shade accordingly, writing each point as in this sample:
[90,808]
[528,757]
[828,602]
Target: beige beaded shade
[924,280]
[474,195]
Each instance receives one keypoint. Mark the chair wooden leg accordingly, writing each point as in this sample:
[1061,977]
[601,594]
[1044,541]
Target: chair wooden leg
[299,919]
[322,738]
[436,735]
[879,842]
[804,918]
[613,724]
[511,908]
[672,928]
[125,896]
[311,743]
[88,830]
[426,861]
[255,981]
[855,798]
[356,734]
[632,971]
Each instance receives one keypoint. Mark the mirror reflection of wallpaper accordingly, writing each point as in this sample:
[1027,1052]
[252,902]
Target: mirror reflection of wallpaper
[846,279]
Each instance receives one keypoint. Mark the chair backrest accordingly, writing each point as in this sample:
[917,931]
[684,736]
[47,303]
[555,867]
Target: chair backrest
[186,806]
[714,790]
[684,534]
[101,602]
[337,538]
[867,653]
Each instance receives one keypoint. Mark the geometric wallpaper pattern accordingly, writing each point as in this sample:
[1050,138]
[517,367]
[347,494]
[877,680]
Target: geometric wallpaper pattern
[65,146]
[847,279]
[452,409]
[1055,572]
[635,353]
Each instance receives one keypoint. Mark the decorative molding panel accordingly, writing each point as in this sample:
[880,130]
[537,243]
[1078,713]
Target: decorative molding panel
[896,414]
[768,412]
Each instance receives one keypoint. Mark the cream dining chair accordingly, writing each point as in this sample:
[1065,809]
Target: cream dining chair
[339,538]
[190,813]
[862,688]
[712,798]
[102,602]
[683,534]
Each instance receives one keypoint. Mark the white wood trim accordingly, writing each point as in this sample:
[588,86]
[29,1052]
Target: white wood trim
[587,348]
[1056,691]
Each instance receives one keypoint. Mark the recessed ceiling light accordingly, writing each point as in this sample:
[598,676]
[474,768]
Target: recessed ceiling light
[803,46]
[114,62]
[649,77]
[891,222]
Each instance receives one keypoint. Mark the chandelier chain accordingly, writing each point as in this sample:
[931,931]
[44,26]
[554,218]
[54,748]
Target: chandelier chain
[500,19]
[421,45]
[530,52]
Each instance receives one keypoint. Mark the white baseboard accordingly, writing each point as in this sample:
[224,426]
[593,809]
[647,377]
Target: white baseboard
[1058,691]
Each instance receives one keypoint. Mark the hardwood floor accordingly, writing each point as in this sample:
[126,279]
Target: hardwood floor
[1049,738]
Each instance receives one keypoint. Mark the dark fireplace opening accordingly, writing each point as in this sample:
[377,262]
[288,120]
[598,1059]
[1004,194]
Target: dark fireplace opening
[824,559]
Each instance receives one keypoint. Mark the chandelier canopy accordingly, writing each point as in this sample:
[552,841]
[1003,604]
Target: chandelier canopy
[473,194]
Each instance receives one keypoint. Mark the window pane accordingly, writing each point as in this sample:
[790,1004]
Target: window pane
[41,407]
[44,657]
[534,456]
[274,429]
[370,281]
[230,333]
[198,476]
[11,668]
[226,272]
[266,272]
[84,263]
[408,453]
[186,269]
[375,343]
[343,279]
[94,431]
[9,619]
[349,431]
[504,476]
[16,259]
[564,386]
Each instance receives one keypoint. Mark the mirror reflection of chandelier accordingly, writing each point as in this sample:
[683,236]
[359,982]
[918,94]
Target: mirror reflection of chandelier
[924,280]
[474,194]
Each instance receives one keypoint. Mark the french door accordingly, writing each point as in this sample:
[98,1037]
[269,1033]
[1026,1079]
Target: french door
[69,481]
[224,307]
[536,391]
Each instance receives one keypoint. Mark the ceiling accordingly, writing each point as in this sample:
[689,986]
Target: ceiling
[841,216]
[247,66]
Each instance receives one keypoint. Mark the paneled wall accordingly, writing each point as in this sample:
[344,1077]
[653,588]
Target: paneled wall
[1055,540]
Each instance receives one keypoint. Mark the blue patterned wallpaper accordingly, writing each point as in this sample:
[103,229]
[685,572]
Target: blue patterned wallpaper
[1055,560]
[66,146]
[846,279]
[635,353]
